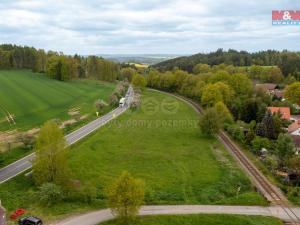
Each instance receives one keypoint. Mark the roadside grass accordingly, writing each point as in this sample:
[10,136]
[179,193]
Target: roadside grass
[161,144]
[33,99]
[202,219]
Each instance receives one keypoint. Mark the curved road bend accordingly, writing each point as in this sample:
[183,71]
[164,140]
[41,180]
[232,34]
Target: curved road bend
[96,217]
[24,164]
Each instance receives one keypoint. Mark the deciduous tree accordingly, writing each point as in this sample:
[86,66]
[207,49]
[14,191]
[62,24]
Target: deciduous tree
[50,164]
[285,148]
[125,197]
[139,81]
[210,122]
[224,113]
[292,92]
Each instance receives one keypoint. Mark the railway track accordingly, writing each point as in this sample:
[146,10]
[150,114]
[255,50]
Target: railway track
[271,193]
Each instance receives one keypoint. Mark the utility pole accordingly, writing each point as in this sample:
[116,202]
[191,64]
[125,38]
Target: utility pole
[8,116]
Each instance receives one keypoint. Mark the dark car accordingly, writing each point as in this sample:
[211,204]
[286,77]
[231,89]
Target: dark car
[30,220]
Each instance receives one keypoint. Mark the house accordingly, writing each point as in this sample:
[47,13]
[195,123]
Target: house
[285,112]
[294,127]
[2,215]
[267,87]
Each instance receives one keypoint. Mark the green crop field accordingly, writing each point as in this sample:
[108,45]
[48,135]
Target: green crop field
[203,220]
[33,99]
[161,144]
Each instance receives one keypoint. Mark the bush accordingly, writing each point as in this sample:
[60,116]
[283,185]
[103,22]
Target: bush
[258,143]
[50,194]
[27,140]
[236,132]
[113,100]
[210,122]
[100,104]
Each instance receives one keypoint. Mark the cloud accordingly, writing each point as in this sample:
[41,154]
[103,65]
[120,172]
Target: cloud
[153,26]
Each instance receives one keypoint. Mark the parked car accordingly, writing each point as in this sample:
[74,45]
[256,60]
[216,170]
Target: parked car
[30,220]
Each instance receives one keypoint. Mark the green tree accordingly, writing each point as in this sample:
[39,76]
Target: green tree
[125,197]
[53,67]
[139,81]
[267,128]
[127,74]
[285,148]
[211,95]
[50,164]
[217,92]
[201,68]
[241,84]
[224,113]
[292,93]
[210,122]
[249,136]
[258,143]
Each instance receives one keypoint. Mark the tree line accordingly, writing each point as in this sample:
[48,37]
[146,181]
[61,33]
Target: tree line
[57,65]
[232,103]
[288,62]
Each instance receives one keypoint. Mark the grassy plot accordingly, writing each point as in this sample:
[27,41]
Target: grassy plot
[204,220]
[33,98]
[160,144]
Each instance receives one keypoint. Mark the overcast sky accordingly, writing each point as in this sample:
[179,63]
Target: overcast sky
[146,26]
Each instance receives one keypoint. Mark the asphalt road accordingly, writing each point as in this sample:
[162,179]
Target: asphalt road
[24,164]
[96,217]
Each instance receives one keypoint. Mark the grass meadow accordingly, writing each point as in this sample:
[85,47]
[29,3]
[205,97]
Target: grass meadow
[159,143]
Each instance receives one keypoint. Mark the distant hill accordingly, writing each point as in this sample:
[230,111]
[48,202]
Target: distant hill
[289,62]
[149,59]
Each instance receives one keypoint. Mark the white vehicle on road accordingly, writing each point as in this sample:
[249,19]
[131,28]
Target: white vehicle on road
[122,102]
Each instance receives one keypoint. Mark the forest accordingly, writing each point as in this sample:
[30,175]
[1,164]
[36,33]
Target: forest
[56,64]
[288,62]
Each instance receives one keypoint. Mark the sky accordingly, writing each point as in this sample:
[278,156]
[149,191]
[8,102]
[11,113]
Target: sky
[146,27]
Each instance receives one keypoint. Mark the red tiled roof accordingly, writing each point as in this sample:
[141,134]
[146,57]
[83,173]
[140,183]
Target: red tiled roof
[284,111]
[294,126]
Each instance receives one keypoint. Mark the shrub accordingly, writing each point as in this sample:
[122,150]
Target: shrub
[113,100]
[50,194]
[210,122]
[27,140]
[258,143]
[100,104]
